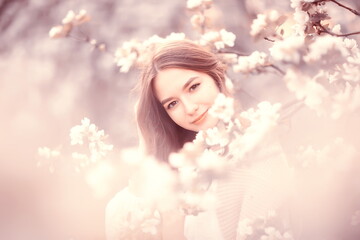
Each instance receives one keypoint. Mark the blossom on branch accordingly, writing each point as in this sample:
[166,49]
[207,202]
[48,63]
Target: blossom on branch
[327,50]
[69,21]
[346,101]
[266,24]
[134,52]
[195,4]
[130,217]
[89,132]
[219,39]
[47,152]
[60,31]
[254,63]
[288,50]
[307,89]
[223,108]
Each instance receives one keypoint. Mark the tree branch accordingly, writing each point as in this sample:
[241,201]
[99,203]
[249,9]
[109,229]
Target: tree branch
[343,6]
[276,68]
[100,46]
[268,39]
[224,51]
[322,29]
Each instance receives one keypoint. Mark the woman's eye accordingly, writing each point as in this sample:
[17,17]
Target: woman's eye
[193,87]
[171,105]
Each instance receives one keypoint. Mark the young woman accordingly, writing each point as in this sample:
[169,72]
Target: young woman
[177,88]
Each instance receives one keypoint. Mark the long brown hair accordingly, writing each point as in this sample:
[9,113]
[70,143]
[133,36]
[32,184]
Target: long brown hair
[160,133]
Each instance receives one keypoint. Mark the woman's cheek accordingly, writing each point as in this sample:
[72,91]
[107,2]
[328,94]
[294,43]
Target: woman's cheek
[174,116]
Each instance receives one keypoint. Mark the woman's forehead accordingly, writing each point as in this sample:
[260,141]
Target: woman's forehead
[171,80]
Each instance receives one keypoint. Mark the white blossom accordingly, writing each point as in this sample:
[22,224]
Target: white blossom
[79,156]
[228,38]
[155,39]
[151,225]
[197,20]
[223,108]
[327,48]
[59,31]
[252,63]
[258,24]
[295,3]
[194,202]
[89,132]
[126,56]
[272,233]
[288,50]
[350,70]
[244,228]
[307,89]
[262,122]
[216,137]
[70,16]
[129,213]
[191,4]
[188,176]
[177,160]
[220,39]
[194,4]
[346,101]
[134,52]
[76,19]
[81,17]
[211,163]
[47,152]
[301,18]
[265,24]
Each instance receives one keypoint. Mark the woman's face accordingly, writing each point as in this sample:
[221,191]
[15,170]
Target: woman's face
[187,96]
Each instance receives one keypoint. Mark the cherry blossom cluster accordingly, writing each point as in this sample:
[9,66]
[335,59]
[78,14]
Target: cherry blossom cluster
[138,221]
[198,19]
[219,39]
[48,157]
[264,228]
[333,89]
[266,24]
[68,23]
[254,63]
[88,133]
[134,52]
[216,150]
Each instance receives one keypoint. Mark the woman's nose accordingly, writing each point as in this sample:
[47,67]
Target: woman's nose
[190,107]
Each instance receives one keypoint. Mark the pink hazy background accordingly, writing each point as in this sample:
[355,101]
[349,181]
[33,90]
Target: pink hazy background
[47,86]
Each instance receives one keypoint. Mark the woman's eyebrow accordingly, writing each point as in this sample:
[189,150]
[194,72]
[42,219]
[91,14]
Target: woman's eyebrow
[188,82]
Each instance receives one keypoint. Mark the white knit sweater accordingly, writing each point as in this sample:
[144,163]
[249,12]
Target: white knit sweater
[249,192]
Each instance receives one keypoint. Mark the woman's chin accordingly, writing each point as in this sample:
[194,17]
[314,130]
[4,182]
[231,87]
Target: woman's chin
[210,122]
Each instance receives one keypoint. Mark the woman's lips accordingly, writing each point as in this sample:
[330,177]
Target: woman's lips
[199,119]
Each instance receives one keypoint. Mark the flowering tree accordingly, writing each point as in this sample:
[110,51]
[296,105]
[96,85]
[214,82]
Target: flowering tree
[318,64]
